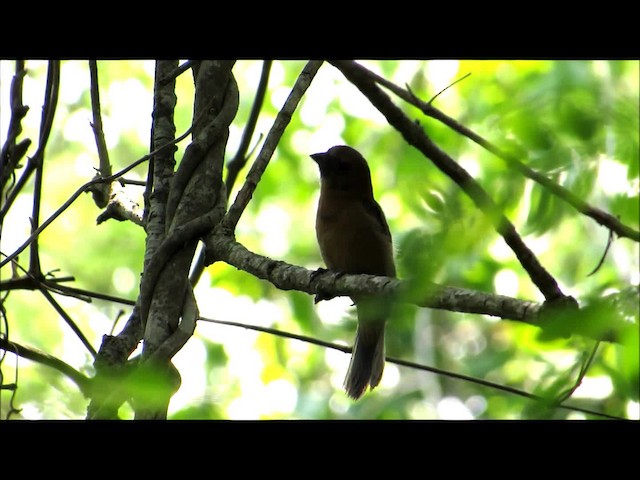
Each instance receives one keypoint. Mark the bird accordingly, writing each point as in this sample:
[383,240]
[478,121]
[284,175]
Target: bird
[354,237]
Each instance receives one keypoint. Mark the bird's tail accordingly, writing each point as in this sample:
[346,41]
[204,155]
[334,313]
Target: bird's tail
[367,360]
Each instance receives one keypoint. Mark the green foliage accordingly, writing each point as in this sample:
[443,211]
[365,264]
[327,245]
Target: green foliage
[574,121]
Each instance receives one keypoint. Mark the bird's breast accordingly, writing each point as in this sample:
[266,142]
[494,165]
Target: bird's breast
[351,240]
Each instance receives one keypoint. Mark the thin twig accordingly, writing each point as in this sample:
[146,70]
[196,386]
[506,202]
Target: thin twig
[397,361]
[171,76]
[240,158]
[604,255]
[79,292]
[48,112]
[443,90]
[85,188]
[583,371]
[65,316]
[37,162]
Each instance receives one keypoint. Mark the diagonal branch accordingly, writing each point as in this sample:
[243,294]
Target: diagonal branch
[44,358]
[273,137]
[175,73]
[65,316]
[603,218]
[416,137]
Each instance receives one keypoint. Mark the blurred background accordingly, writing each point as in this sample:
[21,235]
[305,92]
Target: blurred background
[574,121]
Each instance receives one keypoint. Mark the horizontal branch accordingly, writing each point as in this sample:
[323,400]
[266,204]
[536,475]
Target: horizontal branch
[560,319]
[326,283]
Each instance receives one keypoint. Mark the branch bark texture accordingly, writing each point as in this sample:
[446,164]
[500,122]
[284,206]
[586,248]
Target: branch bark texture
[286,276]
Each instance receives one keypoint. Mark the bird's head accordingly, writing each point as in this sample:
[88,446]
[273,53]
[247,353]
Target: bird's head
[343,168]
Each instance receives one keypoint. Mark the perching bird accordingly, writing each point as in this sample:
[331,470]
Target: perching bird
[354,237]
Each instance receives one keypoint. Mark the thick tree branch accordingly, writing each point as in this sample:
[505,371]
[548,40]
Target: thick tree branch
[292,277]
[603,218]
[163,131]
[115,350]
[196,194]
[186,229]
[240,159]
[551,317]
[416,137]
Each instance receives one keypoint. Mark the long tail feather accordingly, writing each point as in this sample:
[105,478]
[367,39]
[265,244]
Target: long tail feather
[367,361]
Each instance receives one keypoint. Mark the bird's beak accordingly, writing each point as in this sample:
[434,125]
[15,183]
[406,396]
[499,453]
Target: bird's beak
[317,157]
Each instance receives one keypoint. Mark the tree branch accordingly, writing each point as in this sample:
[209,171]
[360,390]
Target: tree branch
[69,321]
[240,159]
[603,218]
[555,321]
[85,188]
[260,164]
[197,194]
[48,112]
[172,75]
[292,277]
[13,152]
[100,192]
[417,366]
[50,361]
[416,137]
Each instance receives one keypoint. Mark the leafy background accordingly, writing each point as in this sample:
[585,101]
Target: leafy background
[574,121]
